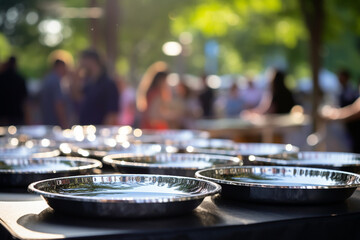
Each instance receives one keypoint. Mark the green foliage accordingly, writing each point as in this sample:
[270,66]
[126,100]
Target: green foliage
[250,33]
[5,48]
[247,31]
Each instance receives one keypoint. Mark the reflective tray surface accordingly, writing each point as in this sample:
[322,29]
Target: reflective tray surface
[283,184]
[23,171]
[99,150]
[129,196]
[247,149]
[24,151]
[181,164]
[330,160]
[173,134]
[169,137]
[38,131]
[30,131]
[210,143]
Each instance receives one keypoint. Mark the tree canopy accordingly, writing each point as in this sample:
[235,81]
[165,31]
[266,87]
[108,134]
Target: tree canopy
[251,34]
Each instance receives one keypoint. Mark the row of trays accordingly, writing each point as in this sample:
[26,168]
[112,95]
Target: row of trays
[161,180]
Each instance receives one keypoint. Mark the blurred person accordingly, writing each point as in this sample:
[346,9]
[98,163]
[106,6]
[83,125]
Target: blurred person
[251,95]
[234,103]
[348,93]
[277,100]
[349,110]
[127,103]
[145,83]
[206,99]
[349,113]
[70,85]
[13,97]
[157,98]
[53,102]
[100,99]
[189,106]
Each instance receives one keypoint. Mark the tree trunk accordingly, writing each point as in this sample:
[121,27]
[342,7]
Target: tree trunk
[111,31]
[94,30]
[313,12]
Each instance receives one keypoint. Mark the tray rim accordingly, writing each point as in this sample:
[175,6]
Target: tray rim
[235,151]
[50,152]
[217,189]
[93,163]
[120,163]
[198,174]
[300,163]
[103,153]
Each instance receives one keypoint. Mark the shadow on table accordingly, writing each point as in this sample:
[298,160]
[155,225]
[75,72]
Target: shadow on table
[267,211]
[212,212]
[48,221]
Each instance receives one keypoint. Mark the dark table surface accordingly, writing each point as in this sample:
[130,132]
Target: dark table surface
[26,216]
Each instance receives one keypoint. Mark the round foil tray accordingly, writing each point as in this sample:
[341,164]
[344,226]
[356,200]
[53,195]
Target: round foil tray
[180,164]
[23,171]
[203,143]
[246,150]
[100,150]
[349,162]
[171,136]
[292,185]
[26,152]
[31,131]
[124,196]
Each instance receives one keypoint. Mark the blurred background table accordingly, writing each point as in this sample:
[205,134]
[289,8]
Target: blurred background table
[268,127]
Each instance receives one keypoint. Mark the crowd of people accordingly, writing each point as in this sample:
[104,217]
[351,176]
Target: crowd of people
[85,95]
[88,94]
[91,97]
[277,99]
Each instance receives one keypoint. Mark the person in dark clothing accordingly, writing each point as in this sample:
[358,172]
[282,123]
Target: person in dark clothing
[13,95]
[282,98]
[278,100]
[206,99]
[100,104]
[348,94]
[53,104]
[347,97]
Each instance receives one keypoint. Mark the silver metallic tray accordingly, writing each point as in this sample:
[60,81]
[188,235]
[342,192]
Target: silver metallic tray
[31,131]
[125,196]
[23,171]
[293,185]
[180,164]
[170,136]
[101,149]
[203,143]
[26,152]
[245,150]
[349,162]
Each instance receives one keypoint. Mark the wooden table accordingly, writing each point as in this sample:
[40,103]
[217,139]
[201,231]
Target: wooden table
[264,125]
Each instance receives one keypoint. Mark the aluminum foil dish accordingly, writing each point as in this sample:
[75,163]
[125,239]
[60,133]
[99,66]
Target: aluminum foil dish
[205,143]
[293,185]
[169,137]
[124,196]
[100,149]
[246,150]
[23,171]
[180,164]
[31,131]
[26,151]
[349,162]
